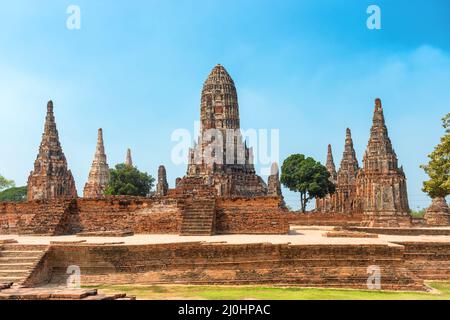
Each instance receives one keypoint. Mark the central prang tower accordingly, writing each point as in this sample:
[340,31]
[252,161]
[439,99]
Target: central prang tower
[221,158]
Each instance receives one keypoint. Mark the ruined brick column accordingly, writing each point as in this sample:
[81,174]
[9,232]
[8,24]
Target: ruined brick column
[381,184]
[328,203]
[346,178]
[438,214]
[273,182]
[330,164]
[50,179]
[128,159]
[99,174]
[162,186]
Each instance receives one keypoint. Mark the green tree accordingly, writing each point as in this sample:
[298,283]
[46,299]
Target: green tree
[307,176]
[4,183]
[18,194]
[128,180]
[438,168]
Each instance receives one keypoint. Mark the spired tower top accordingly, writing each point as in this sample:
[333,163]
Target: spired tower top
[330,164]
[50,178]
[349,164]
[379,155]
[219,103]
[99,174]
[128,159]
[378,105]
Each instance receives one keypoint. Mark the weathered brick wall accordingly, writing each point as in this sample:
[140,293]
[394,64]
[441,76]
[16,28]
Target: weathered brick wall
[42,216]
[428,260]
[140,215]
[324,219]
[261,215]
[13,215]
[203,263]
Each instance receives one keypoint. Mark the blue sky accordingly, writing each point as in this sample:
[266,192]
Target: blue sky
[136,68]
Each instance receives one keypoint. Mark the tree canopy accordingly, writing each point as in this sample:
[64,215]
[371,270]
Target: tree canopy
[438,168]
[128,180]
[18,194]
[306,176]
[4,183]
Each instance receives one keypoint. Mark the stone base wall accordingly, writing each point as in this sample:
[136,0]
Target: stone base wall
[225,264]
[154,215]
[140,215]
[429,261]
[324,219]
[388,219]
[263,215]
[38,217]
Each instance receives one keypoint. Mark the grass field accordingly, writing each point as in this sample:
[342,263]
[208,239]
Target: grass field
[163,292]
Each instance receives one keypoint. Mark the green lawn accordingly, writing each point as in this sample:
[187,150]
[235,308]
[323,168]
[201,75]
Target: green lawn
[163,292]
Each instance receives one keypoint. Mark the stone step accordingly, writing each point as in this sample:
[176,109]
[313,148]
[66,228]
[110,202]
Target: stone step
[14,273]
[198,214]
[6,279]
[196,232]
[21,253]
[196,226]
[106,296]
[58,293]
[16,266]
[7,260]
[196,222]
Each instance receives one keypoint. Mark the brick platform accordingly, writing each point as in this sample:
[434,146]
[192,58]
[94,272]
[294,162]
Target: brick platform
[305,257]
[174,214]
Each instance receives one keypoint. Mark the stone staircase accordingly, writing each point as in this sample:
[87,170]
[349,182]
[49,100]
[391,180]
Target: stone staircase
[198,217]
[17,262]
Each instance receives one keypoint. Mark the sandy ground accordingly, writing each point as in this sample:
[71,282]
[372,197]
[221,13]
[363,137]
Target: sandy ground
[297,235]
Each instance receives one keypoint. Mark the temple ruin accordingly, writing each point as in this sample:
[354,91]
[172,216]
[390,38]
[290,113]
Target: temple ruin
[344,198]
[221,159]
[51,178]
[381,184]
[99,174]
[222,195]
[378,189]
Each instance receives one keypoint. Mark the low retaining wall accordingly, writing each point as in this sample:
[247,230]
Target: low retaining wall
[404,231]
[226,264]
[262,215]
[324,219]
[428,260]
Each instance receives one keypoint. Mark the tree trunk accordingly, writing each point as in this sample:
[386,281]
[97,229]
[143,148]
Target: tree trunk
[302,201]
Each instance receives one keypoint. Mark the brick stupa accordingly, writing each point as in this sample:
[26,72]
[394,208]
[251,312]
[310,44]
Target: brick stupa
[221,159]
[99,173]
[328,203]
[344,199]
[381,184]
[438,213]
[50,179]
[346,178]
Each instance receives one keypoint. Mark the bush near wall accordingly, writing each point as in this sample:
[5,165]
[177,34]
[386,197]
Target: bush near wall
[18,194]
